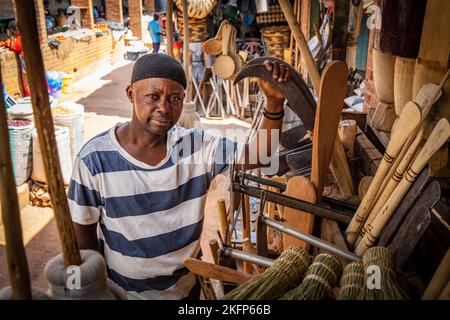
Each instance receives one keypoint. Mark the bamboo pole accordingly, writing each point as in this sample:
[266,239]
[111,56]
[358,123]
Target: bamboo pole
[291,40]
[301,43]
[186,58]
[16,259]
[169,27]
[26,17]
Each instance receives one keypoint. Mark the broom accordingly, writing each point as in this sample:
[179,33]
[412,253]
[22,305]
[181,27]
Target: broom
[389,288]
[285,273]
[189,117]
[321,277]
[352,281]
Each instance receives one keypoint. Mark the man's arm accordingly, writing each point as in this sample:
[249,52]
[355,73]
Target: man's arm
[86,236]
[262,143]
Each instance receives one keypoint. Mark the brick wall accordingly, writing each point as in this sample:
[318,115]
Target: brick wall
[149,5]
[114,11]
[135,13]
[77,58]
[87,13]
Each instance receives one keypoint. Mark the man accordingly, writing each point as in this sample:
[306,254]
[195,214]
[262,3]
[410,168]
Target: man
[155,33]
[144,183]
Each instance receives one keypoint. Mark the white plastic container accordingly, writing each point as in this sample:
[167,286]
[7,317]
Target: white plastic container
[63,145]
[21,155]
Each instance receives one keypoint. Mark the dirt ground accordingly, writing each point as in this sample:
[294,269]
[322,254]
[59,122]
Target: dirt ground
[103,96]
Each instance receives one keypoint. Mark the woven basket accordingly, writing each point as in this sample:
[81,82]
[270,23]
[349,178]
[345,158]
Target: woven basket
[276,39]
[198,28]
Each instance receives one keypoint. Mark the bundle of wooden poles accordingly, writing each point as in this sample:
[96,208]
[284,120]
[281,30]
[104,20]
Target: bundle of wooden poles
[405,157]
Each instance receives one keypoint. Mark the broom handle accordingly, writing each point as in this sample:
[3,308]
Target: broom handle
[393,182]
[301,43]
[438,137]
[15,252]
[26,17]
[186,60]
[169,27]
[291,40]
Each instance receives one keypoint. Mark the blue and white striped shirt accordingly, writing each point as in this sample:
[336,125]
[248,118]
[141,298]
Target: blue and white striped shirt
[150,217]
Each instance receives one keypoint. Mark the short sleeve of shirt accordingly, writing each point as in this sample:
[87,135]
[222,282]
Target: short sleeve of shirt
[220,152]
[85,202]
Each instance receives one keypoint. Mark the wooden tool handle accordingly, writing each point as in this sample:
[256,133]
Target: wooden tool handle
[16,259]
[26,17]
[437,283]
[393,182]
[301,43]
[214,271]
[435,141]
[408,121]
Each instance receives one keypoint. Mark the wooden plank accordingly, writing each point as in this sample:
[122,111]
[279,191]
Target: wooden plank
[214,271]
[207,288]
[332,91]
[303,189]
[403,208]
[409,234]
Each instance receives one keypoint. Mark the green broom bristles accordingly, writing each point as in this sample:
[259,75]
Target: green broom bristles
[320,279]
[352,281]
[389,288]
[285,273]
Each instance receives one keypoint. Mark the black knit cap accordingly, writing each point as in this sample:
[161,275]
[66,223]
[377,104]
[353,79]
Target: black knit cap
[157,65]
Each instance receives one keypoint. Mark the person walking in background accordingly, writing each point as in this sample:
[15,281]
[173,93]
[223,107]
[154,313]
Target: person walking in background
[155,32]
[15,45]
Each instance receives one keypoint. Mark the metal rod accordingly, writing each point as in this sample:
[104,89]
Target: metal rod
[282,187]
[332,214]
[314,241]
[248,257]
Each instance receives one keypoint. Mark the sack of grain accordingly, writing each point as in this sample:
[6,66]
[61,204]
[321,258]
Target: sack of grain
[63,144]
[20,143]
[71,115]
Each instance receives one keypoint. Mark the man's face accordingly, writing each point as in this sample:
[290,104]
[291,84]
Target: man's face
[157,103]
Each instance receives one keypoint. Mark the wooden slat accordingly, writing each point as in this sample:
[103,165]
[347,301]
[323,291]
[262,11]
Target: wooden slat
[214,271]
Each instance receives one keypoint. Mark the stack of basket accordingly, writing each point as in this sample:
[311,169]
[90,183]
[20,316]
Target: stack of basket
[274,15]
[198,9]
[198,28]
[276,39]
